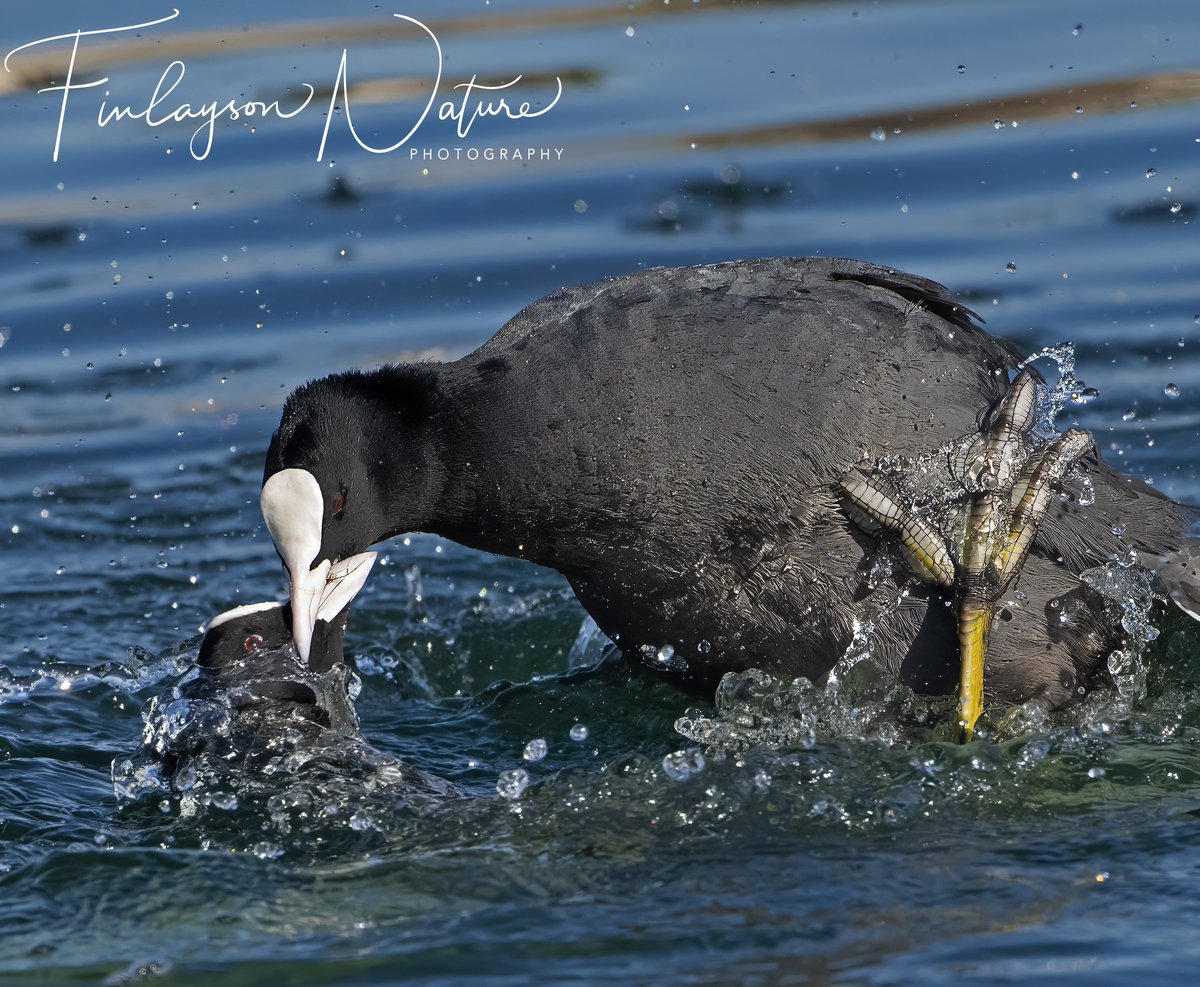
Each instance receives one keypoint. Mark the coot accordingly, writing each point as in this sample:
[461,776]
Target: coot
[256,718]
[703,453]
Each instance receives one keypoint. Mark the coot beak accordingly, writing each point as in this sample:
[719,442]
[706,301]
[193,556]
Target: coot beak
[292,506]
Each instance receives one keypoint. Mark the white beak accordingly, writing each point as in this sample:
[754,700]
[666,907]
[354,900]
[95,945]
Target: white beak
[293,508]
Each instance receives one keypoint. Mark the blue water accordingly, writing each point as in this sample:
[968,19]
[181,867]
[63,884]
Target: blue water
[1040,158]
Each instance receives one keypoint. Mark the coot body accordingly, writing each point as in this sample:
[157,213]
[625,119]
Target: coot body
[672,442]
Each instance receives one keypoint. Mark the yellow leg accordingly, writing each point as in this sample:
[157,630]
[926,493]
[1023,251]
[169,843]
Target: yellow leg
[974,622]
[1010,488]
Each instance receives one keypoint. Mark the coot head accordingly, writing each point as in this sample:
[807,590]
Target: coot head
[237,640]
[334,484]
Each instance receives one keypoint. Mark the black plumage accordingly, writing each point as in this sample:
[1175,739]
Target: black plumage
[672,443]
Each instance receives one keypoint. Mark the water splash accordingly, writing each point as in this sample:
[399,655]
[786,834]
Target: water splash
[1067,389]
[266,747]
[682,765]
[855,701]
[512,784]
[1129,592]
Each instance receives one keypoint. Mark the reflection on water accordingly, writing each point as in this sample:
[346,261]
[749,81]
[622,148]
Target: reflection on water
[158,309]
[1105,96]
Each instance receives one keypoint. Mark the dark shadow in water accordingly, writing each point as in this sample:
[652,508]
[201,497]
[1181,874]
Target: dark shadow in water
[1155,212]
[696,203]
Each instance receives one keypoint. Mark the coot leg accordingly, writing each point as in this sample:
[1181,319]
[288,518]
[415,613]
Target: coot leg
[1012,491]
[1009,481]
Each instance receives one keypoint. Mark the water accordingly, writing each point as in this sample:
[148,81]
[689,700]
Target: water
[1040,158]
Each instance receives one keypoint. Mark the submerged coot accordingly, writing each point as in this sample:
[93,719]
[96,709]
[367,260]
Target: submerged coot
[725,462]
[254,710]
[249,669]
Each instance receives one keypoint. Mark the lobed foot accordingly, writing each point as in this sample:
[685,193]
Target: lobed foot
[1009,480]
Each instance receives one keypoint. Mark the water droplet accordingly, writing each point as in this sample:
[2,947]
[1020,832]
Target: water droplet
[1087,492]
[878,134]
[512,784]
[1171,390]
[704,647]
[665,654]
[224,800]
[681,765]
[579,732]
[1079,109]
[1129,416]
[1011,267]
[1095,772]
[1176,207]
[1151,172]
[1075,175]
[997,124]
[630,32]
[580,206]
[961,69]
[535,750]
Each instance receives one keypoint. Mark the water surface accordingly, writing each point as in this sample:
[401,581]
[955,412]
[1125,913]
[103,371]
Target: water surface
[1039,158]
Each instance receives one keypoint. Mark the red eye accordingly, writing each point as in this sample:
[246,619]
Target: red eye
[337,507]
[251,643]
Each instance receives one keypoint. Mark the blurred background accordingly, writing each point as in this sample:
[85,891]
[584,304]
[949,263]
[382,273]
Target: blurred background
[1039,158]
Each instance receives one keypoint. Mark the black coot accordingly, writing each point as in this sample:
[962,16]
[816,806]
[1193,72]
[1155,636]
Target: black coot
[678,444]
[255,709]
